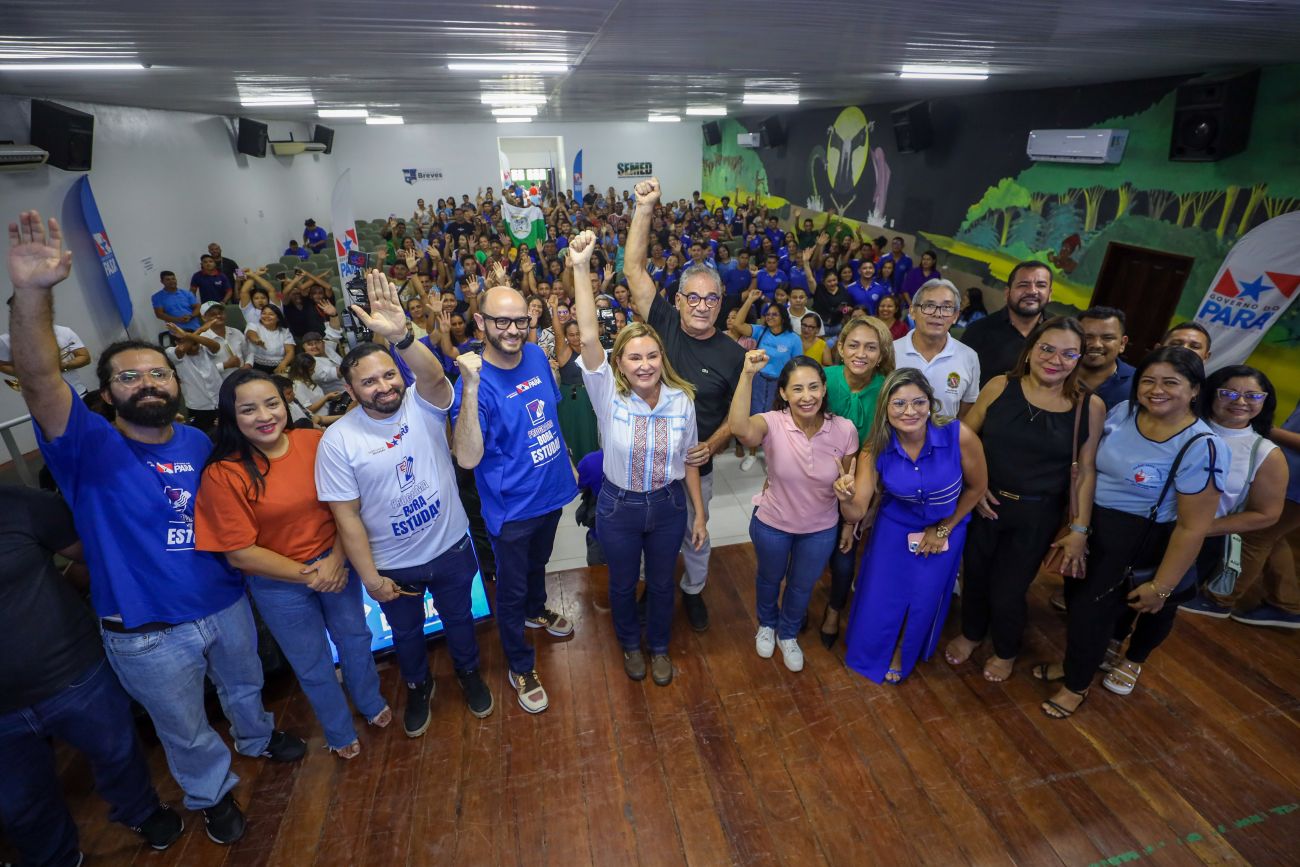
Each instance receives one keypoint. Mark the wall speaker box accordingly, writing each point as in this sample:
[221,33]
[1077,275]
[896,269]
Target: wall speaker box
[324,135]
[1212,117]
[66,133]
[912,129]
[772,132]
[712,133]
[252,137]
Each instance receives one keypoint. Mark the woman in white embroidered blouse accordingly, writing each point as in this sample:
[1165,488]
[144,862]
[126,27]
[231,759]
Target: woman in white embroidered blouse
[646,414]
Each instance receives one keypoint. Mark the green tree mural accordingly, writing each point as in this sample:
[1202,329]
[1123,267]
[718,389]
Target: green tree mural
[1000,201]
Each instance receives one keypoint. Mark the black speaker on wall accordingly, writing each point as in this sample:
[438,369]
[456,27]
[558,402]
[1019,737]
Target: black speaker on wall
[912,129]
[771,132]
[67,134]
[324,135]
[1212,117]
[712,133]
[252,137]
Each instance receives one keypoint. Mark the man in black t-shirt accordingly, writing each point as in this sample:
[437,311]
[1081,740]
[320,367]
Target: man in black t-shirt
[705,357]
[58,684]
[998,338]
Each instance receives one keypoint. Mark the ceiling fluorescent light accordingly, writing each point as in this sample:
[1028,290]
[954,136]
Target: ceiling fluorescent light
[707,110]
[71,67]
[945,73]
[516,111]
[664,118]
[343,112]
[276,101]
[514,120]
[385,121]
[517,68]
[771,99]
[513,98]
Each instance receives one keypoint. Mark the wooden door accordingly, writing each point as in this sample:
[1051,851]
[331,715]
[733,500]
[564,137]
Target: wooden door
[1146,285]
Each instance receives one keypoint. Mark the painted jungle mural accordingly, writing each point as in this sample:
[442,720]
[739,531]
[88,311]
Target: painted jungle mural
[986,206]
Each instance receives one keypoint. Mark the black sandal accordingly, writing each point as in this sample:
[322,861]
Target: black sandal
[1040,672]
[829,638]
[1052,710]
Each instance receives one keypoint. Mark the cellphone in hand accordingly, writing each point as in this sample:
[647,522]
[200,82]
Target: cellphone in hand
[240,273]
[914,542]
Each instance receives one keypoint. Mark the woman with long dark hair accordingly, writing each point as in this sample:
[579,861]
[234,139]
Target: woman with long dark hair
[779,343]
[273,343]
[1159,477]
[1040,429]
[796,524]
[257,504]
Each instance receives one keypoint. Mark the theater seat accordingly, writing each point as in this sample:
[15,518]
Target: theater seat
[235,317]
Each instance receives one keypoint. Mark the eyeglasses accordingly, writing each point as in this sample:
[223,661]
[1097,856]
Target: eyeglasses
[710,300]
[1253,396]
[1047,350]
[132,378]
[929,308]
[920,404]
[503,323]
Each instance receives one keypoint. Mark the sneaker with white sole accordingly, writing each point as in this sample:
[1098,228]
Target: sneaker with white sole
[552,621]
[1206,606]
[1268,615]
[765,641]
[791,653]
[748,463]
[532,697]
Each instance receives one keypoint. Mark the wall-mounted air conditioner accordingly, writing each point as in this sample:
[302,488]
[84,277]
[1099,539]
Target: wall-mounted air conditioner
[21,157]
[293,148]
[749,140]
[1094,146]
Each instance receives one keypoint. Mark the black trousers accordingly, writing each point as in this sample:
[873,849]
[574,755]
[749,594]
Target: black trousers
[844,564]
[1146,631]
[998,565]
[1098,601]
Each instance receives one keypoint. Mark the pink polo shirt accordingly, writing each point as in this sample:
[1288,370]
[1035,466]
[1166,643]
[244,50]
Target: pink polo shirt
[801,472]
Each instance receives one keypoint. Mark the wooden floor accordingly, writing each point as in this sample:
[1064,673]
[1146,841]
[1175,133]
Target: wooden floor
[742,762]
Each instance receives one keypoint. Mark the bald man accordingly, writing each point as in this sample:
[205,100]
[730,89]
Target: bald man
[507,429]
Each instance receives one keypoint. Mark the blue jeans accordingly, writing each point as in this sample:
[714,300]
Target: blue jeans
[799,558]
[522,551]
[449,577]
[762,395]
[93,715]
[629,525]
[164,671]
[298,617]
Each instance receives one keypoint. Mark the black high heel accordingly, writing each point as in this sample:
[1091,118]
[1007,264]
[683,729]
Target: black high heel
[828,638]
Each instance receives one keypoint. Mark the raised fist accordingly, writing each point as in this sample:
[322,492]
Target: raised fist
[470,364]
[581,248]
[755,360]
[647,192]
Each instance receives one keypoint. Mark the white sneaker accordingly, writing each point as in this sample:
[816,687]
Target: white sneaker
[765,641]
[791,653]
[746,465]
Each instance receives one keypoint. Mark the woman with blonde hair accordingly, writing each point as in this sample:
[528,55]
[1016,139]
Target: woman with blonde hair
[646,414]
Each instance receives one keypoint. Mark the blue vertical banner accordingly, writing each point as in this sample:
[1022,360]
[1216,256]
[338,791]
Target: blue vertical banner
[577,175]
[112,272]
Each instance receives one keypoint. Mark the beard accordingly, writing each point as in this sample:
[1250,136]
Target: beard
[496,343]
[1028,306]
[152,414]
[388,404]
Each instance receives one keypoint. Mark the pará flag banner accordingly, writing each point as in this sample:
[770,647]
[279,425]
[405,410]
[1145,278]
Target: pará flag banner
[344,226]
[577,176]
[527,225]
[112,273]
[1254,287]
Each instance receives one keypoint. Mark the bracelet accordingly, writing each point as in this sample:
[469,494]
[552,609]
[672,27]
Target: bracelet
[406,341]
[1078,528]
[1163,594]
[941,531]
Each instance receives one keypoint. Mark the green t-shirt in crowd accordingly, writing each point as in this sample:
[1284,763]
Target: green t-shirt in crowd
[857,407]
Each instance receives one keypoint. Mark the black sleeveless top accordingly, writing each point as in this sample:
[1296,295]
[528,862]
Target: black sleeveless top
[1028,449]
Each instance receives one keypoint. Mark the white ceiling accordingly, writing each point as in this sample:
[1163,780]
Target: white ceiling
[628,57]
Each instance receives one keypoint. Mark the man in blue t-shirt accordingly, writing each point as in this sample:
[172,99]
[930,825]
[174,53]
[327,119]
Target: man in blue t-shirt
[174,304]
[1101,370]
[169,615]
[313,236]
[771,277]
[902,262]
[507,429]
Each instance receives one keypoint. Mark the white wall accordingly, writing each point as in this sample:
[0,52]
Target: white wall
[467,156]
[535,152]
[167,184]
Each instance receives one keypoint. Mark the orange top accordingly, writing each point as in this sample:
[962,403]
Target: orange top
[286,517]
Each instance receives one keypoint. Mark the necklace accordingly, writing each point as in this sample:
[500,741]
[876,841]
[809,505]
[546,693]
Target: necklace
[1033,413]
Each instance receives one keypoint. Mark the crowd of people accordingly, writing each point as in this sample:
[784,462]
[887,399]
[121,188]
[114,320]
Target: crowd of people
[653,335]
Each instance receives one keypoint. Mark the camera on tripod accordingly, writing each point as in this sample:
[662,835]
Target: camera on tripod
[608,328]
[354,293]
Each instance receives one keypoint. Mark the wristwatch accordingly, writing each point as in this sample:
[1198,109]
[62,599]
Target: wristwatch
[1163,594]
[941,531]
[406,341]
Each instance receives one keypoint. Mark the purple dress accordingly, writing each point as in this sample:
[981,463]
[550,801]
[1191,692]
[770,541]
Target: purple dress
[898,591]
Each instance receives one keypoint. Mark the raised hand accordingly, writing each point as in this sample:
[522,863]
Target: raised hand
[411,260]
[386,317]
[470,364]
[755,360]
[647,192]
[823,239]
[444,322]
[808,256]
[845,484]
[498,274]
[326,308]
[754,295]
[581,248]
[608,272]
[34,261]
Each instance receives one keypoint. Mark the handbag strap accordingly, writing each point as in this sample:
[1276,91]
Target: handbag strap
[1250,472]
[1169,481]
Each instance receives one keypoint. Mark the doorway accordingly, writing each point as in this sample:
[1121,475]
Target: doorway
[529,160]
[1146,285]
